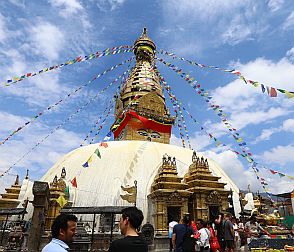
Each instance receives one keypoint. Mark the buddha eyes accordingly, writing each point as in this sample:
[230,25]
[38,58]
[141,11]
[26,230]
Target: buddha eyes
[146,134]
[142,133]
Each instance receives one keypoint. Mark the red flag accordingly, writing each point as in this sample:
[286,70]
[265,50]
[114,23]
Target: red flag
[74,182]
[273,92]
[273,172]
[105,145]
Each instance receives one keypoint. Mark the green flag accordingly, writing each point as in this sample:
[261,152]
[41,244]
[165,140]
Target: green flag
[97,152]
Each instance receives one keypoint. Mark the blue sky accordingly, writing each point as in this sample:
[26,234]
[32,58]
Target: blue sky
[255,37]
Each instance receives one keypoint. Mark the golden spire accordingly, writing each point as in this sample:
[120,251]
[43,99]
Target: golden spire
[142,96]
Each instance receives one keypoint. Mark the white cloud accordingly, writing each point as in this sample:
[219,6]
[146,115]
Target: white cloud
[3,30]
[40,159]
[198,141]
[67,7]
[242,119]
[275,5]
[288,125]
[280,155]
[243,177]
[247,104]
[105,5]
[266,134]
[237,31]
[290,54]
[289,22]
[47,40]
[19,3]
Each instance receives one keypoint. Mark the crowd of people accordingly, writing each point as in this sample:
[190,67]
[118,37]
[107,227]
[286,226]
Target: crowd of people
[225,233]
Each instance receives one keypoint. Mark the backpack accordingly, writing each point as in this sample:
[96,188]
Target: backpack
[189,241]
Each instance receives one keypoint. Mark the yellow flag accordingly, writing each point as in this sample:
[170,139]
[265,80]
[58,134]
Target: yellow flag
[89,160]
[289,95]
[61,201]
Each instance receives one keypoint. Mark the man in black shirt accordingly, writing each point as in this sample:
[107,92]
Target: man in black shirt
[130,221]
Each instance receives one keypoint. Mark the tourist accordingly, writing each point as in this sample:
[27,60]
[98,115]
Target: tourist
[203,240]
[253,229]
[130,221]
[214,244]
[237,241]
[63,231]
[219,227]
[229,233]
[170,233]
[181,230]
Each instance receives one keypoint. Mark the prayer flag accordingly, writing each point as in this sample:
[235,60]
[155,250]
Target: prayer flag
[262,88]
[85,165]
[105,145]
[273,92]
[74,182]
[289,94]
[273,172]
[61,201]
[97,152]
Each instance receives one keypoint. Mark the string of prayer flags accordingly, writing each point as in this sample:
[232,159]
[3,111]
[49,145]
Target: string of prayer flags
[50,107]
[107,51]
[106,112]
[271,91]
[176,105]
[200,91]
[101,126]
[60,125]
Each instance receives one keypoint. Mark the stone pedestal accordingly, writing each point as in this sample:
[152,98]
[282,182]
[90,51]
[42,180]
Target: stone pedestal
[40,203]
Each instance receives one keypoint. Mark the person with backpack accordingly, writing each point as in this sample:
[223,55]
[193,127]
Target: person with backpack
[203,240]
[219,224]
[183,240]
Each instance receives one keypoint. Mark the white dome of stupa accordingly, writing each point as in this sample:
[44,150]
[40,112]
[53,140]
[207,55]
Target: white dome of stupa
[121,163]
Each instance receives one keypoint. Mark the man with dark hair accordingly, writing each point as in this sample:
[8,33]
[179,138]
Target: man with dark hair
[180,232]
[229,233]
[219,226]
[130,221]
[63,230]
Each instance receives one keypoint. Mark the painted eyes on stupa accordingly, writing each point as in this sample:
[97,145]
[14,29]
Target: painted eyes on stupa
[145,133]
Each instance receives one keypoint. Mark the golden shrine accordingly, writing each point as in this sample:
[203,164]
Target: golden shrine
[199,194]
[9,199]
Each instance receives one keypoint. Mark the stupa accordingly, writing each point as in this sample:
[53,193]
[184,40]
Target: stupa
[171,181]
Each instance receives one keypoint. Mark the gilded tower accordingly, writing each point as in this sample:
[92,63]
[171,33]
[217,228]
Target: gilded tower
[141,112]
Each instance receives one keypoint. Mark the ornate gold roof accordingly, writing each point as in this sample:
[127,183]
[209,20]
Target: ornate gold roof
[199,176]
[167,177]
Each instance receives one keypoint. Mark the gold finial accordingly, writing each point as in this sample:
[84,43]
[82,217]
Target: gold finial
[144,31]
[27,175]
